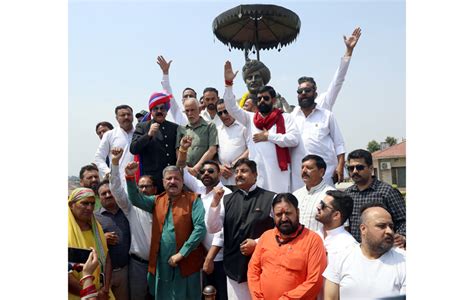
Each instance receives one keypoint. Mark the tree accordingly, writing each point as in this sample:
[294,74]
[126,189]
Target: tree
[373,146]
[391,140]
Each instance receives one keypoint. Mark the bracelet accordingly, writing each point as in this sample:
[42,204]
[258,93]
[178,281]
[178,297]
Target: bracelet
[182,151]
[229,82]
[130,177]
[85,277]
[88,290]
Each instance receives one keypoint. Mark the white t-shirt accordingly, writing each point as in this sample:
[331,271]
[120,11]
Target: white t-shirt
[362,278]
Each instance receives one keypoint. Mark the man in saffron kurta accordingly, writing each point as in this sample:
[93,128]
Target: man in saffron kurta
[289,259]
[176,253]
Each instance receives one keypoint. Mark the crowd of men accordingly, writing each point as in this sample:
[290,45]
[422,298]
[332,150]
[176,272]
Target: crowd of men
[237,193]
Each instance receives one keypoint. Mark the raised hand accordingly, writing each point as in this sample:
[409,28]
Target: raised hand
[218,193]
[164,65]
[153,129]
[229,74]
[131,168]
[116,155]
[351,41]
[186,142]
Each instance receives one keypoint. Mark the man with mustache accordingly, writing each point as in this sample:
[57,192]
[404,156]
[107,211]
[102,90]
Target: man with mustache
[119,137]
[210,96]
[178,228]
[209,175]
[289,259]
[243,215]
[89,178]
[320,133]
[368,189]
[273,134]
[154,140]
[373,270]
[309,196]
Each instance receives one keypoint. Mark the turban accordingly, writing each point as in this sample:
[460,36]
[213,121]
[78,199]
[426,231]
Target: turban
[80,194]
[252,66]
[159,98]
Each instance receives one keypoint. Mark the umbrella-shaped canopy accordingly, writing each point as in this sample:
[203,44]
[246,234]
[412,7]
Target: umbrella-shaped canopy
[256,25]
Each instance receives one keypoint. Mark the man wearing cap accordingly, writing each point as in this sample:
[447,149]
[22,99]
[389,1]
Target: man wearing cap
[155,139]
[140,115]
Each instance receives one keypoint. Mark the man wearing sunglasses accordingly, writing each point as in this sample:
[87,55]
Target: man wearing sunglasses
[154,140]
[209,175]
[368,189]
[273,134]
[320,133]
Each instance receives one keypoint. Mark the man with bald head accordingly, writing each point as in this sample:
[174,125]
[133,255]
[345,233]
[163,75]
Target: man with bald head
[375,269]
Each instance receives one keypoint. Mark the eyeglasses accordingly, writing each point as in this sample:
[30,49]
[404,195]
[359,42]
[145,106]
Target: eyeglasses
[265,98]
[357,167]
[305,90]
[209,170]
[145,186]
[160,107]
[220,113]
[324,205]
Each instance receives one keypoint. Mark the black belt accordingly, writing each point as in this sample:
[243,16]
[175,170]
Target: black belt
[138,258]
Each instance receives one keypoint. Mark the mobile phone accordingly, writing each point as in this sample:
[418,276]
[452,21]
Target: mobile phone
[78,255]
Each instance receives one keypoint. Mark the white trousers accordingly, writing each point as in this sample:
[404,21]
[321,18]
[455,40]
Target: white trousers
[237,291]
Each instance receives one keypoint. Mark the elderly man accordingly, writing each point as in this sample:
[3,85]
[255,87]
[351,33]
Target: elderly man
[309,196]
[289,260]
[210,181]
[117,234]
[273,134]
[118,137]
[244,215]
[155,140]
[368,189]
[233,140]
[140,226]
[320,133]
[176,254]
[373,270]
[85,232]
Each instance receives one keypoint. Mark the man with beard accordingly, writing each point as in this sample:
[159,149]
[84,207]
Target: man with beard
[368,189]
[89,178]
[314,191]
[273,134]
[210,96]
[244,215]
[178,228]
[155,140]
[213,268]
[320,134]
[373,270]
[117,234]
[289,259]
[120,137]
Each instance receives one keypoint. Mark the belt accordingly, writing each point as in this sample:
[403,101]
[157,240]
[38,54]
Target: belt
[138,258]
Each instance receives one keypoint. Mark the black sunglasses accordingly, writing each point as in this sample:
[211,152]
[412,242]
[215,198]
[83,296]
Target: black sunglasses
[357,167]
[306,90]
[266,98]
[209,170]
[324,205]
[220,113]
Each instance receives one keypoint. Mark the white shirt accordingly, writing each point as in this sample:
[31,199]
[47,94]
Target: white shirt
[337,240]
[362,278]
[176,113]
[233,141]
[320,135]
[116,137]
[198,187]
[207,117]
[140,221]
[308,202]
[270,177]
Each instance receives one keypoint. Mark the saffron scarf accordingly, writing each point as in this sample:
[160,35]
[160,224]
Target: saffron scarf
[275,117]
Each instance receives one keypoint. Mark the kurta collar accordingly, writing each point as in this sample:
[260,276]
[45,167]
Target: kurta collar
[252,188]
[315,188]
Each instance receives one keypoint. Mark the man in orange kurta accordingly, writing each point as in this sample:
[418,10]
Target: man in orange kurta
[289,260]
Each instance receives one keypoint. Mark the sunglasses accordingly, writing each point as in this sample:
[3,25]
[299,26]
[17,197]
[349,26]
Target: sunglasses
[306,90]
[357,167]
[220,113]
[209,170]
[265,98]
[324,205]
[160,107]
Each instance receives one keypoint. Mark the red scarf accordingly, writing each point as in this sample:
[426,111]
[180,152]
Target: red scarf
[275,117]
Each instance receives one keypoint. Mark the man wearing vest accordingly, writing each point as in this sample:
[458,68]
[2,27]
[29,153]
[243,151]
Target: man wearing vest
[176,253]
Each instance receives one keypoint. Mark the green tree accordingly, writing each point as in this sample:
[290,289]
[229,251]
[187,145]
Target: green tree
[391,140]
[373,146]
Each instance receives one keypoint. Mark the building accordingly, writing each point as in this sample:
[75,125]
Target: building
[390,165]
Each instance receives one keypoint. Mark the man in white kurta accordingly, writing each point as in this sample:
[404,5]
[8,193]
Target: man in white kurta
[119,137]
[262,145]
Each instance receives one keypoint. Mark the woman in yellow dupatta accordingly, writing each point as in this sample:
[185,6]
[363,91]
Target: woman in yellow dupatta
[85,232]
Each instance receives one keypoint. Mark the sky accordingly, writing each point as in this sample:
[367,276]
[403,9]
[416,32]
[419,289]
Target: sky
[113,45]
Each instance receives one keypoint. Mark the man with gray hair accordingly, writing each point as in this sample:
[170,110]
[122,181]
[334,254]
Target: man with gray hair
[176,253]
